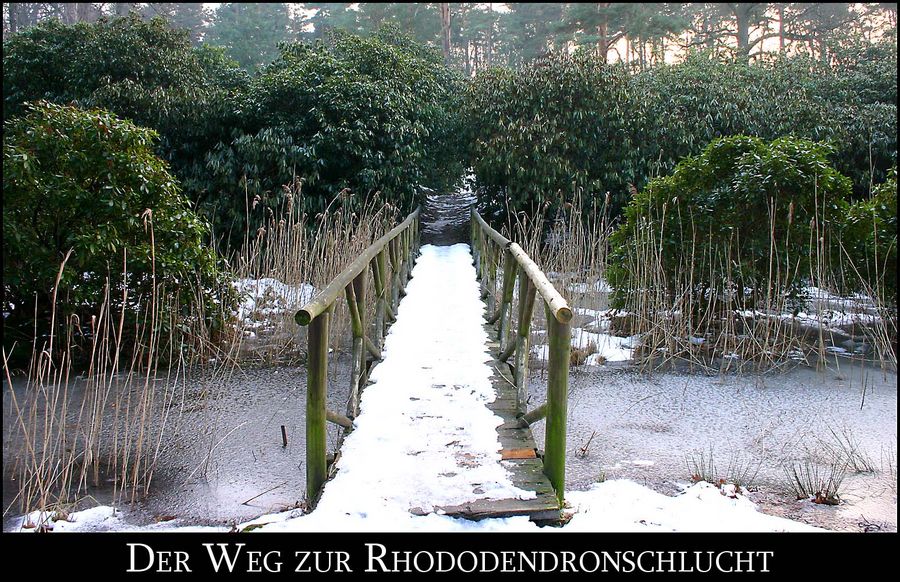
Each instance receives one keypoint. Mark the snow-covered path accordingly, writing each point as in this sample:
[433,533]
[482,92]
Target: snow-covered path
[424,438]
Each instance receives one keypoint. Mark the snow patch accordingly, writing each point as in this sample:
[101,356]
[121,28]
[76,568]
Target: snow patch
[618,505]
[622,505]
[263,298]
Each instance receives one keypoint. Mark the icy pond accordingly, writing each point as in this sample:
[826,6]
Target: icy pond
[226,463]
[649,428]
[223,460]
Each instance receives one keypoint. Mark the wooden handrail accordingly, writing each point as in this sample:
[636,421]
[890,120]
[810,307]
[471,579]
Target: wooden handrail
[532,281]
[498,238]
[558,306]
[336,287]
[390,258]
[552,297]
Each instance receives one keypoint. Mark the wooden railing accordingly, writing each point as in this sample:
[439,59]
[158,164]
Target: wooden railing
[390,258]
[492,250]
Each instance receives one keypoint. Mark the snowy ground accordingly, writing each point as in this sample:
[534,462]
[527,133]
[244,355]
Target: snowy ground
[613,506]
[261,300]
[624,424]
[426,439]
[837,317]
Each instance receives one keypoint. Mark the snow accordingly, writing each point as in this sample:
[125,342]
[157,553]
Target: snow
[610,348]
[263,298]
[425,438]
[642,463]
[622,505]
[828,310]
[599,286]
[94,519]
[612,506]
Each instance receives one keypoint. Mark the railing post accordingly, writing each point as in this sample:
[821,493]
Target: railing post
[356,301]
[509,282]
[394,248]
[378,272]
[527,292]
[316,396]
[406,255]
[473,237]
[557,394]
[489,276]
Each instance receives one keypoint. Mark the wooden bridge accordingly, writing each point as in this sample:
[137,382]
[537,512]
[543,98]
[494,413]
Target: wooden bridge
[515,478]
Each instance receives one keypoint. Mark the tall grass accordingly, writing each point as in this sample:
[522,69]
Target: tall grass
[77,429]
[303,253]
[571,248]
[105,425]
[702,319]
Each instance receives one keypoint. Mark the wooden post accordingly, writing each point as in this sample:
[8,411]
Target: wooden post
[526,309]
[406,250]
[509,282]
[557,396]
[378,271]
[493,266]
[395,274]
[487,279]
[316,396]
[356,297]
[401,261]
[473,237]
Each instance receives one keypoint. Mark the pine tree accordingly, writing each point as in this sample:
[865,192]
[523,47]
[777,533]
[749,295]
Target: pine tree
[250,32]
[189,15]
[329,16]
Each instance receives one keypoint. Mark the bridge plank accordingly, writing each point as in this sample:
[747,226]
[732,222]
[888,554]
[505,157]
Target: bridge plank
[519,454]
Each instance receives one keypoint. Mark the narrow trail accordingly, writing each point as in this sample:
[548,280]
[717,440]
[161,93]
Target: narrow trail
[425,438]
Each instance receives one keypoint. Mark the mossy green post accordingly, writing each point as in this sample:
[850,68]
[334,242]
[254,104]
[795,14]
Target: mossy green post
[378,268]
[510,267]
[527,293]
[557,395]
[356,302]
[316,395]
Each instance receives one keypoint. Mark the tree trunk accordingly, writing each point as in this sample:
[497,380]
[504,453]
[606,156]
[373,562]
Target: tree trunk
[83,11]
[489,49]
[69,16]
[603,31]
[445,31]
[28,14]
[468,59]
[13,18]
[780,28]
[742,21]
